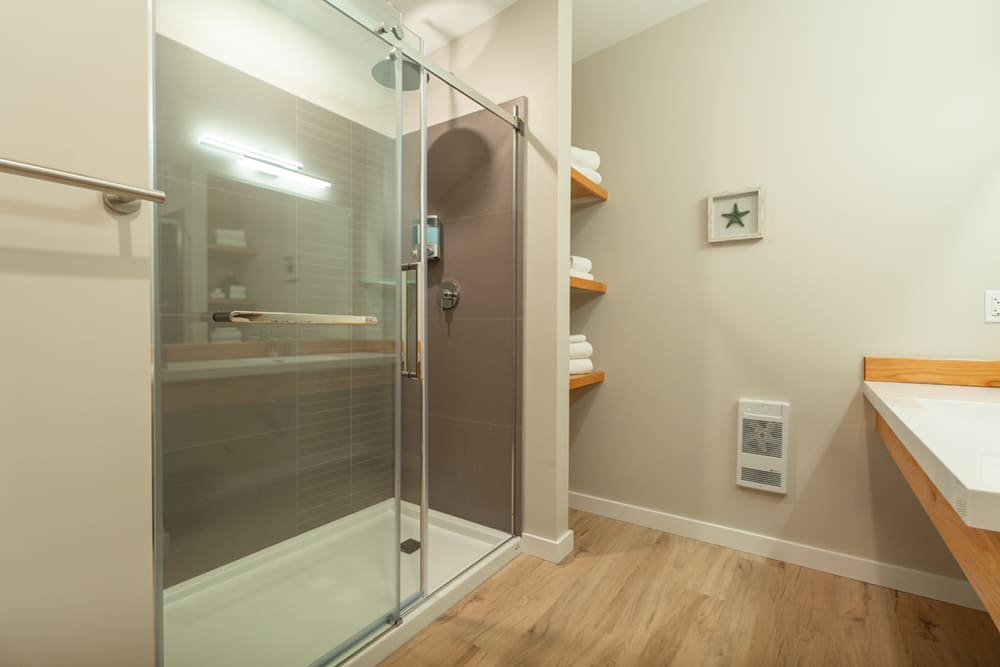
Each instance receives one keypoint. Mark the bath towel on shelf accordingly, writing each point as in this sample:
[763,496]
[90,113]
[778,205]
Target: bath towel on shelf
[580,366]
[577,338]
[581,350]
[585,158]
[236,238]
[581,264]
[589,173]
[579,274]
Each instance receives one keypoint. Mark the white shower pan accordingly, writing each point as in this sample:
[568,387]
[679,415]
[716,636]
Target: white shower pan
[287,604]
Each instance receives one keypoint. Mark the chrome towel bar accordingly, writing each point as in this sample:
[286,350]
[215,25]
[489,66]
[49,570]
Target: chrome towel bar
[259,317]
[118,197]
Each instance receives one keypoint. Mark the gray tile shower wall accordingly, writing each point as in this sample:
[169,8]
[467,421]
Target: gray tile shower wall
[250,461]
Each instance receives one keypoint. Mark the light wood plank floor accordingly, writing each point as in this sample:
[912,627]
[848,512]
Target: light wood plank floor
[634,596]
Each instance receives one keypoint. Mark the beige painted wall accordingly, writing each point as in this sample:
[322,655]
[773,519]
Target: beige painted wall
[526,51]
[873,126]
[76,566]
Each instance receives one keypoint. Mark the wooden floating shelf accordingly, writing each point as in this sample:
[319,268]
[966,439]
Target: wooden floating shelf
[582,188]
[231,250]
[580,381]
[588,285]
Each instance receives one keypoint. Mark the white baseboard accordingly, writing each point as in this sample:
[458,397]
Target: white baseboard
[430,609]
[550,550]
[934,586]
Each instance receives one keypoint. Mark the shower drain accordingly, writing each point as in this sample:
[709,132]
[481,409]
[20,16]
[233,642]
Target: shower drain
[409,546]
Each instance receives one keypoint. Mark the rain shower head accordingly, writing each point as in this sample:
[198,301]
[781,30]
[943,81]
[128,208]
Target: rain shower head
[384,71]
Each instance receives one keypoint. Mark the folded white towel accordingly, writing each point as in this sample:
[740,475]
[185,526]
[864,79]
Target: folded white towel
[577,338]
[581,350]
[585,158]
[580,366]
[581,274]
[589,173]
[581,264]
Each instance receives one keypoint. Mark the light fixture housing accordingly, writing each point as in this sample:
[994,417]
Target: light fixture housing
[281,172]
[264,162]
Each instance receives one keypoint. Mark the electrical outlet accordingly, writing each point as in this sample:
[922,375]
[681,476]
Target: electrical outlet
[992,306]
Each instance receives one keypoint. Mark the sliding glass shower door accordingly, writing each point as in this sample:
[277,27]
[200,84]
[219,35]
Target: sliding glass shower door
[278,143]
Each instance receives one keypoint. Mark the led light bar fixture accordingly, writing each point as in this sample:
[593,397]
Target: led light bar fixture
[267,163]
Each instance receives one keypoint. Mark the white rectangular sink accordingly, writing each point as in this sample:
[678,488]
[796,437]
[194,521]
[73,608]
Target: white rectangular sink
[954,434]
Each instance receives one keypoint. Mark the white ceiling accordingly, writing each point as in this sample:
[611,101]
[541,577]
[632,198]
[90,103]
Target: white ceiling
[597,24]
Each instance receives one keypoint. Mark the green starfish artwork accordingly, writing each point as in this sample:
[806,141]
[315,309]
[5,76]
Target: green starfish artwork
[736,217]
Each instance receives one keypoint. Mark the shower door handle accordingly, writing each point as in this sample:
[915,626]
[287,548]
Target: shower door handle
[263,317]
[404,352]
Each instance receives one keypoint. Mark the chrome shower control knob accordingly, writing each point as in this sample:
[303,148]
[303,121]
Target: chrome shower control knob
[450,294]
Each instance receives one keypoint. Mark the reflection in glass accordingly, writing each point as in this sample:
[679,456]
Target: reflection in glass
[277,455]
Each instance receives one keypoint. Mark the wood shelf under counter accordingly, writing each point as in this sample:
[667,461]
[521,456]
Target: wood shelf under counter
[585,380]
[585,285]
[582,189]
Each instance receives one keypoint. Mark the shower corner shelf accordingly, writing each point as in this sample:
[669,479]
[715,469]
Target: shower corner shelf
[584,285]
[585,380]
[582,189]
[383,282]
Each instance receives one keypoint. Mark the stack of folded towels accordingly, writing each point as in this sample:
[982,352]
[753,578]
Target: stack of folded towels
[586,162]
[580,352]
[581,267]
[234,238]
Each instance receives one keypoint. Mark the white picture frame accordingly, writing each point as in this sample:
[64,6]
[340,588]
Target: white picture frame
[743,223]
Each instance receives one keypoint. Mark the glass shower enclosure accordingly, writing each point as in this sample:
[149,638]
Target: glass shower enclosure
[294,514]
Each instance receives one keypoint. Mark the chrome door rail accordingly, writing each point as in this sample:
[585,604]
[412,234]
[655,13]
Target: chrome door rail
[262,317]
[118,197]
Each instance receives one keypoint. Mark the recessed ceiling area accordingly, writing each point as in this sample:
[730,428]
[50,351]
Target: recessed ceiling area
[597,24]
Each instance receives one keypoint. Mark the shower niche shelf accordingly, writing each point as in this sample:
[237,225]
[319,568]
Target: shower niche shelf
[583,285]
[585,380]
[582,189]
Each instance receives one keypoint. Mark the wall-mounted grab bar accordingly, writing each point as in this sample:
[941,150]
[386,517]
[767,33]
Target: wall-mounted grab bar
[118,197]
[259,317]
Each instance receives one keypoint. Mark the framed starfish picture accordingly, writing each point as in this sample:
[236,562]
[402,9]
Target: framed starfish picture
[736,215]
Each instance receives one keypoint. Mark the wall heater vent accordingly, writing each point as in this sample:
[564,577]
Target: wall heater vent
[762,446]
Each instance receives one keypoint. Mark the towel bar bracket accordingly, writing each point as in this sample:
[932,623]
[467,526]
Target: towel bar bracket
[117,197]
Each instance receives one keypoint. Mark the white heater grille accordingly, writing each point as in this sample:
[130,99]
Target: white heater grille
[764,477]
[762,446]
[764,438]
